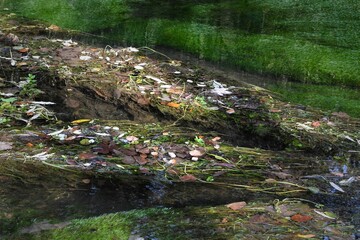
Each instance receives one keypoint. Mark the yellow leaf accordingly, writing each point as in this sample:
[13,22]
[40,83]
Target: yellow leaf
[78,121]
[173,104]
[306,236]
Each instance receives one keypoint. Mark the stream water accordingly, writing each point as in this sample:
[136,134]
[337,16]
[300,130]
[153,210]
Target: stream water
[137,22]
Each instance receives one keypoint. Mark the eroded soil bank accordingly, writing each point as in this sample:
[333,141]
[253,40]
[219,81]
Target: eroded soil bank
[162,133]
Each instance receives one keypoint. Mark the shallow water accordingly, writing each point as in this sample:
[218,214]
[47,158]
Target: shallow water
[103,195]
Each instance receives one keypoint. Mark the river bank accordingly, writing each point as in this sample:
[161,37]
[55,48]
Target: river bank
[120,114]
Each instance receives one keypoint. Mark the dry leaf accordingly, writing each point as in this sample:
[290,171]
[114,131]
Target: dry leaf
[132,138]
[306,236]
[196,153]
[301,218]
[188,178]
[78,121]
[86,181]
[54,28]
[173,104]
[230,111]
[316,124]
[236,205]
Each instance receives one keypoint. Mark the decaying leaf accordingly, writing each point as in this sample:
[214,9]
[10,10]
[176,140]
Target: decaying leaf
[188,178]
[236,205]
[301,218]
[132,138]
[196,153]
[337,187]
[230,111]
[5,146]
[173,104]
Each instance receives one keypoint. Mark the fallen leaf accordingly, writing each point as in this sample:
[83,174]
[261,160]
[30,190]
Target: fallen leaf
[306,236]
[54,28]
[172,90]
[132,138]
[196,153]
[173,104]
[316,124]
[86,156]
[5,146]
[230,111]
[188,178]
[86,181]
[141,160]
[128,160]
[215,139]
[301,218]
[336,187]
[29,144]
[236,205]
[78,121]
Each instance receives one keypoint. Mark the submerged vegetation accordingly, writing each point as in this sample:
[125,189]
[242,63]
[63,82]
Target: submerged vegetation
[139,132]
[310,42]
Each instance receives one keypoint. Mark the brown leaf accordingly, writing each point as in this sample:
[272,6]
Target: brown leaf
[128,160]
[140,160]
[144,170]
[86,156]
[173,104]
[144,150]
[143,101]
[173,90]
[236,205]
[188,178]
[301,218]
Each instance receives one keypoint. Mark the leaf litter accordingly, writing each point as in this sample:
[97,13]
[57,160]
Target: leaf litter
[124,147]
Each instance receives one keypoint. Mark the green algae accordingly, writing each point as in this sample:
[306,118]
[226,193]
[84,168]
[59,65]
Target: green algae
[203,223]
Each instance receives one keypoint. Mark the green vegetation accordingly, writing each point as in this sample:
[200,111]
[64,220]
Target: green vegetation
[307,41]
[321,96]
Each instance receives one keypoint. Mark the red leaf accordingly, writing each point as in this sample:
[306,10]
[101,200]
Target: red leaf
[301,218]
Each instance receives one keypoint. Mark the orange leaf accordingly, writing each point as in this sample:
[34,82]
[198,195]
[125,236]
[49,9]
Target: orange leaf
[316,124]
[188,178]
[173,104]
[29,144]
[236,205]
[301,218]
